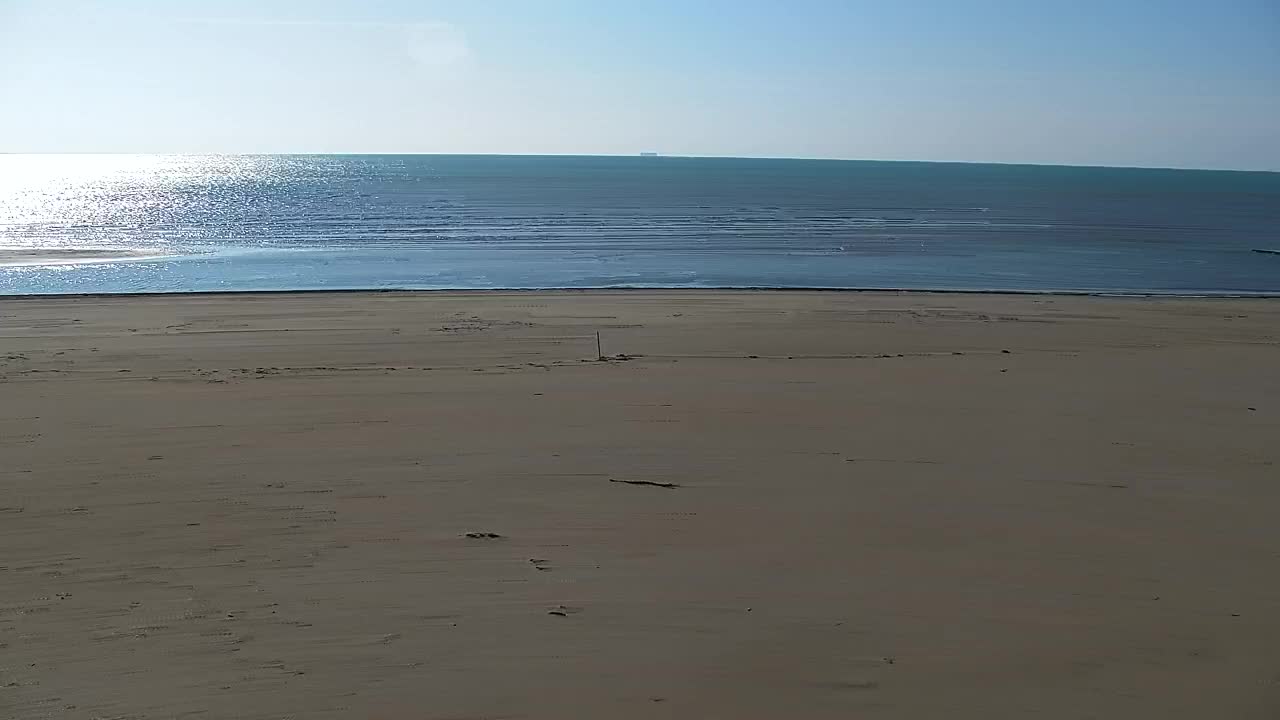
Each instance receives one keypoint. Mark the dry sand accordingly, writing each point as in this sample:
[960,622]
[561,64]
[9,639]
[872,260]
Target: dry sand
[257,506]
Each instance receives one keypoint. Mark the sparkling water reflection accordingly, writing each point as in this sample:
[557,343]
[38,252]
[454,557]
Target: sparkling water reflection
[117,223]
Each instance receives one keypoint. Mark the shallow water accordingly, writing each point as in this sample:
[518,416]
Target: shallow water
[131,223]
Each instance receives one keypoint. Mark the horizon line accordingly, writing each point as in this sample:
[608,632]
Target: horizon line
[661,156]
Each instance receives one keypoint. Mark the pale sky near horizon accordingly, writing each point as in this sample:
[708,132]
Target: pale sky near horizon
[1172,83]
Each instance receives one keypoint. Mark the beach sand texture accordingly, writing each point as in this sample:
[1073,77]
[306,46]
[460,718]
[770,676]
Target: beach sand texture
[773,505]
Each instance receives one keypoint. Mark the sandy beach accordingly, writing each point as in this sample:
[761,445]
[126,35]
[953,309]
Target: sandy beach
[760,505]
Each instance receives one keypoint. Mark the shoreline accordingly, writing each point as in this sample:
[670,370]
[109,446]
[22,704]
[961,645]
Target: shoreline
[1261,295]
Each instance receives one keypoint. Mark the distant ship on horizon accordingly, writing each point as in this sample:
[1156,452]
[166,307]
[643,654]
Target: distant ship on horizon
[648,154]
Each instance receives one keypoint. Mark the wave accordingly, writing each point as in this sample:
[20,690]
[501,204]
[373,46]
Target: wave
[62,255]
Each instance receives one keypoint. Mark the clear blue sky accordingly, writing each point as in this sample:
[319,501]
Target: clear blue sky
[1181,83]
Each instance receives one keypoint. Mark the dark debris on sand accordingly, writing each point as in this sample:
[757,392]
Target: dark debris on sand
[669,486]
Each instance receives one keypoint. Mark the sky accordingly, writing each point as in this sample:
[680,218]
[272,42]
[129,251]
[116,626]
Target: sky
[1157,83]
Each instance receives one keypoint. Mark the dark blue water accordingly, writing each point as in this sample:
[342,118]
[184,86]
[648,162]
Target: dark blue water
[182,223]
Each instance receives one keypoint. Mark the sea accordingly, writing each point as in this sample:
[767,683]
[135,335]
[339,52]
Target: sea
[180,223]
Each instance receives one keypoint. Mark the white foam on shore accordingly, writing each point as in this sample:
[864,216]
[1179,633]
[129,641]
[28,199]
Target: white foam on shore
[36,256]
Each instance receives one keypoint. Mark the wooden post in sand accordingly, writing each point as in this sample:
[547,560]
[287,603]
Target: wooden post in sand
[599,351]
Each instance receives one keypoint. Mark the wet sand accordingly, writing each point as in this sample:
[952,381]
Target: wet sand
[772,505]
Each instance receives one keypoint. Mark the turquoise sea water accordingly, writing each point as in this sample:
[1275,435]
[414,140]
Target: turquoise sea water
[132,223]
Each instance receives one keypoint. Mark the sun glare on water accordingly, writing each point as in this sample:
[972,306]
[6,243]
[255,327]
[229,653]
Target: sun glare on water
[84,208]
